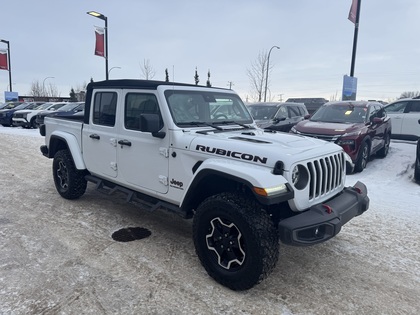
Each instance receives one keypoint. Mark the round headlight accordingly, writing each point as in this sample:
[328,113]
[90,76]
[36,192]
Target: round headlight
[300,177]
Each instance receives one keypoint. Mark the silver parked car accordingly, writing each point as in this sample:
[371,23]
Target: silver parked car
[405,116]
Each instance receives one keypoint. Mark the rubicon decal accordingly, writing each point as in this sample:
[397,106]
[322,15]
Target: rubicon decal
[234,154]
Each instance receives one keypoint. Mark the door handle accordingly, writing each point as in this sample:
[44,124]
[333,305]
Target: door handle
[125,142]
[94,136]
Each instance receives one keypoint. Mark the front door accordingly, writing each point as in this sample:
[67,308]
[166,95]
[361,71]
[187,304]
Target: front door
[142,158]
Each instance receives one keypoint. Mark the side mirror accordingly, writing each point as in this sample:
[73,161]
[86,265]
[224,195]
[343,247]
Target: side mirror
[307,116]
[278,119]
[151,123]
[377,120]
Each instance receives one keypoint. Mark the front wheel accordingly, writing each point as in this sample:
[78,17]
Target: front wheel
[69,181]
[385,149]
[363,157]
[235,240]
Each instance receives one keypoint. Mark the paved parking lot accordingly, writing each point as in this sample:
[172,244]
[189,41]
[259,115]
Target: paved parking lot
[58,257]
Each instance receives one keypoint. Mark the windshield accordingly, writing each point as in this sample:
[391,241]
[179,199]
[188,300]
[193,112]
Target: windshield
[68,107]
[43,106]
[22,106]
[345,113]
[262,112]
[11,105]
[206,108]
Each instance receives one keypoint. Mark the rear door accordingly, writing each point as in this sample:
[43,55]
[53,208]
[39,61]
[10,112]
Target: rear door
[99,136]
[410,123]
[396,112]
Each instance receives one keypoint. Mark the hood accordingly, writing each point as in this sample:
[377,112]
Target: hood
[258,146]
[326,128]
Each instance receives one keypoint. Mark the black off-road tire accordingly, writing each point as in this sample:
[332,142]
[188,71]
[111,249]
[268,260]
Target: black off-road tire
[384,151]
[34,125]
[235,240]
[69,181]
[363,157]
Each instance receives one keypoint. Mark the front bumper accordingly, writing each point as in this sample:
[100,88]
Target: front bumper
[21,122]
[323,221]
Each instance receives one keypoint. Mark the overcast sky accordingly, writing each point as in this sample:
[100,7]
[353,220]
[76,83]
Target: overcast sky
[56,38]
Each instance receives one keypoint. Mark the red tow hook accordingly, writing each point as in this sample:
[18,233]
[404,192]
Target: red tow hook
[328,208]
[358,190]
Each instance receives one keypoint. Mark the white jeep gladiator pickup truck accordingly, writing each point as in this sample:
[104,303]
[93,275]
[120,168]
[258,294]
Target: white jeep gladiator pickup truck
[197,151]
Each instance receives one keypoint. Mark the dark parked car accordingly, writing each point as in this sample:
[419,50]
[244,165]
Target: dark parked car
[311,103]
[6,113]
[278,116]
[66,110]
[362,128]
[417,163]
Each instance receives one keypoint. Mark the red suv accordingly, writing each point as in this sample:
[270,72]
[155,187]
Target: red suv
[362,128]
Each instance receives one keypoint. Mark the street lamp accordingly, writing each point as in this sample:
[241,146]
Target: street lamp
[113,68]
[268,67]
[8,60]
[43,85]
[103,17]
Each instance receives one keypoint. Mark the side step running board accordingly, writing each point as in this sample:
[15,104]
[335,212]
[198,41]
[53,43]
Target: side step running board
[133,197]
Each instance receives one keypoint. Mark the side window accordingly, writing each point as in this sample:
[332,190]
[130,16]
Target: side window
[137,104]
[293,111]
[104,108]
[381,112]
[396,107]
[413,106]
[282,112]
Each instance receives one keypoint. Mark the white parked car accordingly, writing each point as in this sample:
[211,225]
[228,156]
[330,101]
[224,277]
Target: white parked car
[405,116]
[27,118]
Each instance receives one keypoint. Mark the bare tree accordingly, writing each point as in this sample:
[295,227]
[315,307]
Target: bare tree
[409,94]
[40,90]
[51,90]
[36,89]
[147,70]
[257,74]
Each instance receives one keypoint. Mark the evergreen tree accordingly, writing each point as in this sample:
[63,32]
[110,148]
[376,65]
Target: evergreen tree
[72,94]
[208,79]
[196,77]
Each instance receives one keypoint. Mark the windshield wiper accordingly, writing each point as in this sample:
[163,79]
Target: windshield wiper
[200,123]
[230,122]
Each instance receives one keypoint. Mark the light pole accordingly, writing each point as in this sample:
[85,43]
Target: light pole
[43,85]
[268,67]
[8,60]
[113,68]
[103,17]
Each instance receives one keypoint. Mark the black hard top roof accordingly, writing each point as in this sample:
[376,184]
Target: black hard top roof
[135,84]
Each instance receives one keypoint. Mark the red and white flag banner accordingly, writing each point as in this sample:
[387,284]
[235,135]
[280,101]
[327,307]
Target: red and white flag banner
[353,11]
[100,41]
[3,60]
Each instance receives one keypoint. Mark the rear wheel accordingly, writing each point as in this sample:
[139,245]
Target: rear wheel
[235,240]
[69,181]
[363,157]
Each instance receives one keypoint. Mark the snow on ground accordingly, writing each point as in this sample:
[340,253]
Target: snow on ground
[57,257]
